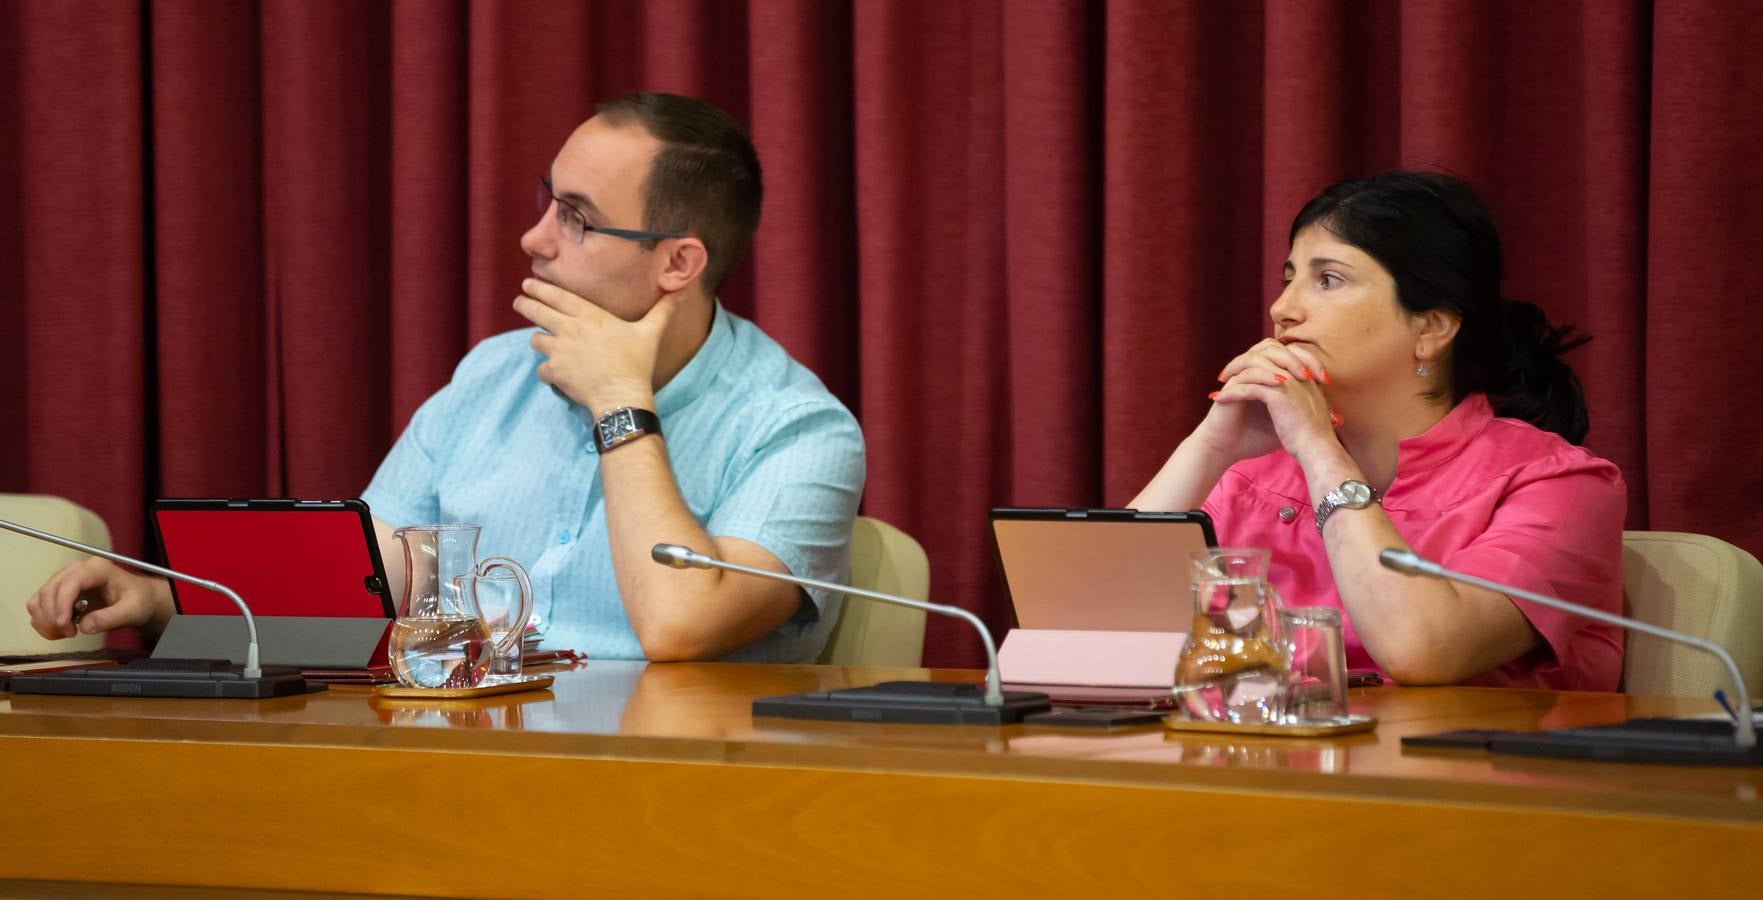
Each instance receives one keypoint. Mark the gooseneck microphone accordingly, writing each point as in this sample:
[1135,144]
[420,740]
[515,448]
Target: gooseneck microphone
[251,668]
[900,701]
[1410,563]
[680,557]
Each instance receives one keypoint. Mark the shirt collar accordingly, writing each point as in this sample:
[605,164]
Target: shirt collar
[701,370]
[1446,438]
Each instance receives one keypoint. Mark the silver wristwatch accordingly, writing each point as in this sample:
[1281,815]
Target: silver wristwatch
[1352,494]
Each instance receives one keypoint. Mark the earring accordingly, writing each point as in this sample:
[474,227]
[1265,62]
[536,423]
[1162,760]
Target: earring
[1421,370]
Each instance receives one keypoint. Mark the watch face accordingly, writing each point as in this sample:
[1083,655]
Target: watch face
[1357,493]
[623,425]
[620,422]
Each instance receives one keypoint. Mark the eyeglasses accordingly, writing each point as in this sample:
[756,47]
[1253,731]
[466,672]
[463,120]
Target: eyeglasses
[575,225]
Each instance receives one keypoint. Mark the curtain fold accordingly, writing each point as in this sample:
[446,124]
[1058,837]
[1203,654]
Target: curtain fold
[80,397]
[805,265]
[1183,289]
[930,285]
[428,178]
[240,243]
[207,230]
[327,230]
[1704,228]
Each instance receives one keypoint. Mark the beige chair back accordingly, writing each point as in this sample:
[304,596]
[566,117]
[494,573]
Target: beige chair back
[1699,585]
[25,563]
[869,632]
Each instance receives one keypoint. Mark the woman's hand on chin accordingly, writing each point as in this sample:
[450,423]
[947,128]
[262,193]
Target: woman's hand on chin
[1271,398]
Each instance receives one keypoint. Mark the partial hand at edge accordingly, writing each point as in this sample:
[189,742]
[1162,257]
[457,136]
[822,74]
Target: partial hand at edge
[118,598]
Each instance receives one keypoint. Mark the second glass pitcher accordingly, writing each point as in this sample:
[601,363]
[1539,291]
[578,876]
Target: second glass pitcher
[440,639]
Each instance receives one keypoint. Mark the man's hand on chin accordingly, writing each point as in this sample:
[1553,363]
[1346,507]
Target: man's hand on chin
[594,357]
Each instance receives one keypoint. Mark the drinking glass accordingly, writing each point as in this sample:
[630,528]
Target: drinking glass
[1316,680]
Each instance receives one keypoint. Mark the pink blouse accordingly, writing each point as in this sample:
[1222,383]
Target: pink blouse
[1493,497]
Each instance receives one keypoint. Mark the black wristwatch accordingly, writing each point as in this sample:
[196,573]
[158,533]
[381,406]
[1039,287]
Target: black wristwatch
[623,425]
[1352,494]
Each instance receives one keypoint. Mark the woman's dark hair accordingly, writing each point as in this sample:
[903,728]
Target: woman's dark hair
[1438,241]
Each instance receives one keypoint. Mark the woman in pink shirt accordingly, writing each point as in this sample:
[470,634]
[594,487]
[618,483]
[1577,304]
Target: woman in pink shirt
[1402,402]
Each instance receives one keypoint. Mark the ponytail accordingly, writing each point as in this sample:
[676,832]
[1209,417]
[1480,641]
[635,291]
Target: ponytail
[1526,378]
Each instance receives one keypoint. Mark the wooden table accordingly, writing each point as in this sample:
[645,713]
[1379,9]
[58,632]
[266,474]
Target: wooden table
[627,779]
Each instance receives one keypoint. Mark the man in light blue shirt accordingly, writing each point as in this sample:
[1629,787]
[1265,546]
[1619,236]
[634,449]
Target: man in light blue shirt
[755,461]
[637,412]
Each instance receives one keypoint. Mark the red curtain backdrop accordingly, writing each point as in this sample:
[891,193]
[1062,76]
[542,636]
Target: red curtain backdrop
[240,242]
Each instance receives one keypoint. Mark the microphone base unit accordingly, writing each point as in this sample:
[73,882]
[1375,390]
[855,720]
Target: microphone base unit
[213,678]
[907,703]
[1655,741]
[1652,741]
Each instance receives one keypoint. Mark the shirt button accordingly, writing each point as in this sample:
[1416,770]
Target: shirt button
[562,537]
[1286,514]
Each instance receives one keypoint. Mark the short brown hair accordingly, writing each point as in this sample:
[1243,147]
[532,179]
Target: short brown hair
[703,181]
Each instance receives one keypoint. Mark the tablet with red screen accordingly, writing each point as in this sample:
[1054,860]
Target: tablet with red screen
[284,557]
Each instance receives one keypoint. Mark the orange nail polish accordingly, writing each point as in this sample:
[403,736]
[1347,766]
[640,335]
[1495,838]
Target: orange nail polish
[1279,378]
[1306,373]
[1334,418]
[1220,375]
[1212,396]
[1325,378]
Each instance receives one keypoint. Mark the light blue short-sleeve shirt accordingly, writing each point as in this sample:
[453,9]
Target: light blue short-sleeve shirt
[760,449]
